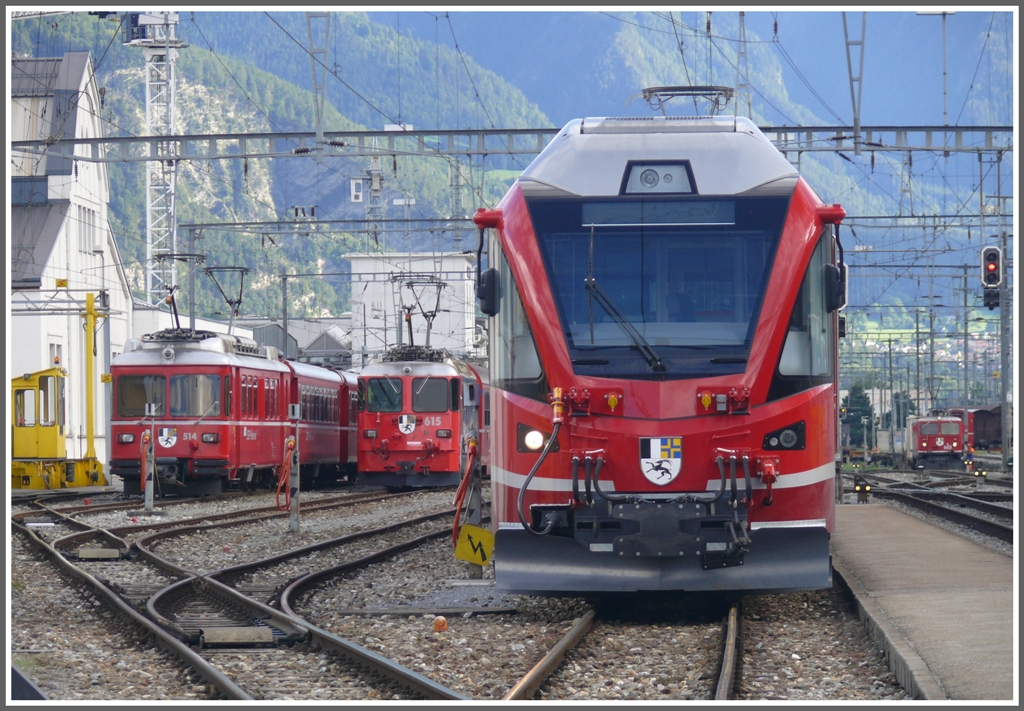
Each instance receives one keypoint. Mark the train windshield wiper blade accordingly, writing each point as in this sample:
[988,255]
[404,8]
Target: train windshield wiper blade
[656,363]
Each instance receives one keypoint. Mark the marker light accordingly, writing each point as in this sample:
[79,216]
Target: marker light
[444,434]
[534,440]
[126,438]
[211,437]
[370,434]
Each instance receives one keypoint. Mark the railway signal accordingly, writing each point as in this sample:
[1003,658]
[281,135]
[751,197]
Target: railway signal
[991,267]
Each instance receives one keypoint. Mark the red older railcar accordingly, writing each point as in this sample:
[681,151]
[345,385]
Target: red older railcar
[219,414]
[421,416]
[663,363]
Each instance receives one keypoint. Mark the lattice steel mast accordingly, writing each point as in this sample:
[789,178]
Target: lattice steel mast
[156,34]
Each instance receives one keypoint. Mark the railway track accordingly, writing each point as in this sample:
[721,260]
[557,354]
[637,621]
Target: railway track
[716,683]
[962,508]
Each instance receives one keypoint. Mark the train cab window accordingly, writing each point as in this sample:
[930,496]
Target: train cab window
[430,395]
[135,391]
[808,353]
[947,428]
[929,429]
[195,395]
[658,288]
[47,401]
[384,395]
[25,408]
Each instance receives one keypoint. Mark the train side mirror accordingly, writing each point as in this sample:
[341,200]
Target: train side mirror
[487,292]
[835,287]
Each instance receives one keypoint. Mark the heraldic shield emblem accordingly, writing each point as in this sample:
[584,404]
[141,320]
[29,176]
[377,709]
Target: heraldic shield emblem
[406,424]
[167,436]
[661,458]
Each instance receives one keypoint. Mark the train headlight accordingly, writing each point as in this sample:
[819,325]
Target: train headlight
[530,439]
[867,487]
[534,439]
[444,434]
[211,437]
[649,178]
[126,438]
[790,437]
[370,434]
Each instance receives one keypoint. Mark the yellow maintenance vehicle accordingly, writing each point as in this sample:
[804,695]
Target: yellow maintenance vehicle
[38,443]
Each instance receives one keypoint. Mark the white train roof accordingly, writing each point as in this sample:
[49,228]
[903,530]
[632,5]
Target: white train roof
[588,157]
[417,368]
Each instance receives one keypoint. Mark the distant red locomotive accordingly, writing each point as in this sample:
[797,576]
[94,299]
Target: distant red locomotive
[935,443]
[220,414]
[663,363]
[421,414]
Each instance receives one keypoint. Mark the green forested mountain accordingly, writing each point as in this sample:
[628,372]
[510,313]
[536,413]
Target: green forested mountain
[242,72]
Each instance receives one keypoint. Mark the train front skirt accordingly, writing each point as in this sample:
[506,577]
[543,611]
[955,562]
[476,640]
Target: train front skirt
[780,559]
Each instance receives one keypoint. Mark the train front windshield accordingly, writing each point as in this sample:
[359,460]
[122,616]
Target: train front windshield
[658,288]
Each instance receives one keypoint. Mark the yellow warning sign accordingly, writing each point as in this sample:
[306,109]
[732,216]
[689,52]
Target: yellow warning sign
[106,378]
[475,545]
[62,283]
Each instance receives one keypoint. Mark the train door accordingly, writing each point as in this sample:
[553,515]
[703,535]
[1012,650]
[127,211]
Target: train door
[352,426]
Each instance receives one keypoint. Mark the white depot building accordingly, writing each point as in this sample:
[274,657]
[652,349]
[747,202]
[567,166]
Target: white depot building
[436,290]
[61,245]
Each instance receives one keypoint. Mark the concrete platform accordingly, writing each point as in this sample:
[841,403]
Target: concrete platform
[941,606]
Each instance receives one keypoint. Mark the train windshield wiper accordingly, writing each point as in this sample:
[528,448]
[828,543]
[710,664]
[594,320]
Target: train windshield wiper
[595,291]
[656,363]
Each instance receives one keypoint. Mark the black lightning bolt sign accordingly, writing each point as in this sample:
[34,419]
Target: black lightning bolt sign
[477,548]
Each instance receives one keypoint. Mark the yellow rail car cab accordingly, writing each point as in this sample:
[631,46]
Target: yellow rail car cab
[38,436]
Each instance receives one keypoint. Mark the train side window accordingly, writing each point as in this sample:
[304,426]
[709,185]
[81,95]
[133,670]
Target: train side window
[456,386]
[47,401]
[430,395]
[361,395]
[487,408]
[515,363]
[808,354]
[25,408]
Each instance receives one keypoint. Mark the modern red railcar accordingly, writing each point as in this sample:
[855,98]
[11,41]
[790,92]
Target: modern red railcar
[664,297]
[935,443]
[421,416]
[220,414]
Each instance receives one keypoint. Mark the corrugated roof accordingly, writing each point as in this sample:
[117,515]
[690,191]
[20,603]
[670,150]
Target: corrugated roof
[34,230]
[34,77]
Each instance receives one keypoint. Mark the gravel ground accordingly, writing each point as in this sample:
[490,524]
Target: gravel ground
[796,647]
[810,646]
[208,550]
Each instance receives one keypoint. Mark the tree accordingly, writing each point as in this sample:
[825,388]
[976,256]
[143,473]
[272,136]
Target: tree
[904,406]
[857,406]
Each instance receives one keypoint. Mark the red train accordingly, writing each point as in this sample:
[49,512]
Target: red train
[664,297]
[935,443]
[421,414]
[221,414]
